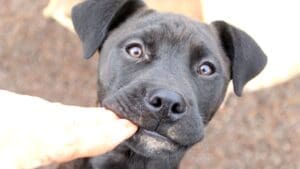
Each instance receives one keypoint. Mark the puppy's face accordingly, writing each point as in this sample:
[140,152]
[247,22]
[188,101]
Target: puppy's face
[164,72]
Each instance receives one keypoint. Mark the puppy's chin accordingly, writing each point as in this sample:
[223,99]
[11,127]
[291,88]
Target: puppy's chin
[153,145]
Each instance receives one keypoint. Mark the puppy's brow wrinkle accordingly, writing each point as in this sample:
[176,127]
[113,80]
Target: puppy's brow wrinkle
[163,32]
[198,52]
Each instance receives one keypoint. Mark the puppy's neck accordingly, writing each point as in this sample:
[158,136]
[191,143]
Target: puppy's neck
[124,158]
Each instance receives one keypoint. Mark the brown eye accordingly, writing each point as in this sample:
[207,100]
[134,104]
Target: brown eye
[135,50]
[206,69]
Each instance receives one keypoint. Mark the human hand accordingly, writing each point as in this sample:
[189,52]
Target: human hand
[35,132]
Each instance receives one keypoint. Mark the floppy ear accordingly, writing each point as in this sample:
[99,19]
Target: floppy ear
[93,19]
[247,58]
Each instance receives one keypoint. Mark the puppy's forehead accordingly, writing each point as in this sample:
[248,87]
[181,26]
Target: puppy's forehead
[174,23]
[167,28]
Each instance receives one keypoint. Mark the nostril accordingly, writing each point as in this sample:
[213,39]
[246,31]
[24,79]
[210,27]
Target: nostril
[168,104]
[156,102]
[177,108]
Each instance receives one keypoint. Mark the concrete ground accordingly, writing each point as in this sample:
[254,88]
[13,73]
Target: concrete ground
[261,130]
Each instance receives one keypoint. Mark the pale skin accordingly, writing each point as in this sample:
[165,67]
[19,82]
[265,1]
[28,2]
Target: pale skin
[35,132]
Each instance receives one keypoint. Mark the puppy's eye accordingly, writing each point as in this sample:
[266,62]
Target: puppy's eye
[135,50]
[206,69]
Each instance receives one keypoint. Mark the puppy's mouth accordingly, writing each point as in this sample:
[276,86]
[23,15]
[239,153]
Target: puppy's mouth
[145,141]
[152,144]
[156,139]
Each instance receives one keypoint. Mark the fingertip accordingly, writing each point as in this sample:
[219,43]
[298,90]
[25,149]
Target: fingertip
[129,126]
[126,129]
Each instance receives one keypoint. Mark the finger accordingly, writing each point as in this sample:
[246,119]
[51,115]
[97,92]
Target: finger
[91,140]
[109,136]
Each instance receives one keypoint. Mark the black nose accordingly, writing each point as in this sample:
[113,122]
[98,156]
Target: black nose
[167,102]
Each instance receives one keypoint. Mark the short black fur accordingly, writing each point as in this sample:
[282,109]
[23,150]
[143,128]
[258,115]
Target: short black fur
[174,47]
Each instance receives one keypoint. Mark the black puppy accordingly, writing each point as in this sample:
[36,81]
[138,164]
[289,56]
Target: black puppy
[164,72]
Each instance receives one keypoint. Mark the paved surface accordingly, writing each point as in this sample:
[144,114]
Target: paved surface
[261,130]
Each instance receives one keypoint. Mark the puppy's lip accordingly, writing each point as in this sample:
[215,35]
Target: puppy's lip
[152,133]
[143,132]
[115,111]
[157,136]
[155,141]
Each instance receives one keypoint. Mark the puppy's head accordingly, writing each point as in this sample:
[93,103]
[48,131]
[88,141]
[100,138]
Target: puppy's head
[164,72]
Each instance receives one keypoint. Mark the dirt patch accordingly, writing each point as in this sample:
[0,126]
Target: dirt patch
[260,130]
[39,57]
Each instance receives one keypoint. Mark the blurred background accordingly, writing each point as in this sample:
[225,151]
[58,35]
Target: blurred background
[40,55]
